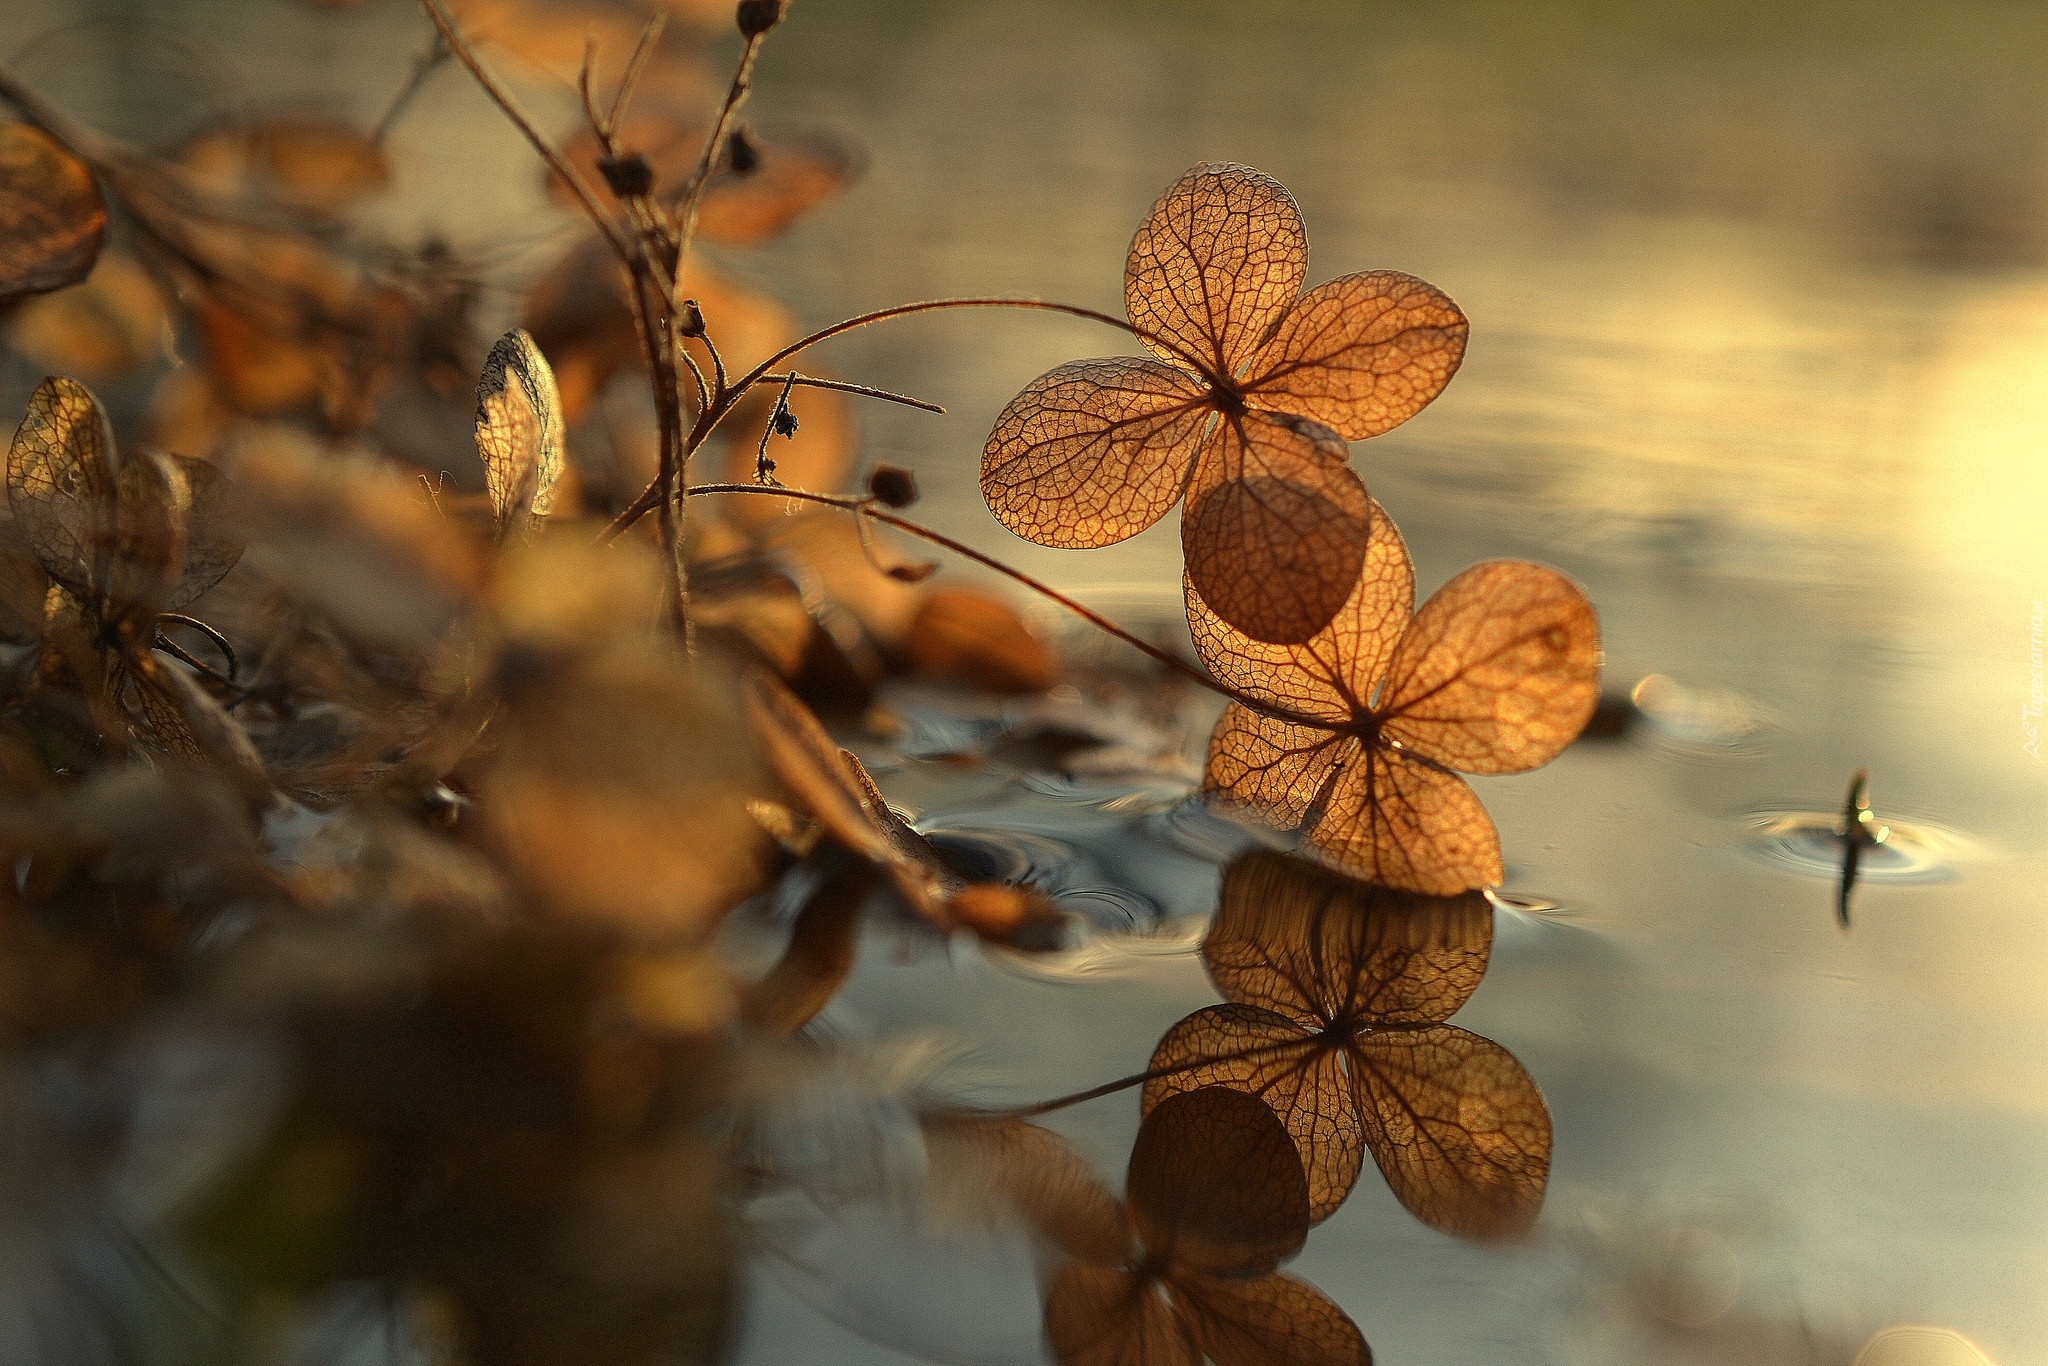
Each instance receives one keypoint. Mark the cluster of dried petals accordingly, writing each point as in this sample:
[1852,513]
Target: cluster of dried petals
[1243,410]
[1351,737]
[128,537]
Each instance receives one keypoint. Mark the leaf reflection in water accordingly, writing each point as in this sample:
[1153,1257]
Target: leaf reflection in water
[1337,992]
[1218,1200]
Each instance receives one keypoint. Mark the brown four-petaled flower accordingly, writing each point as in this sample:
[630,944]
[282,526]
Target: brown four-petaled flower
[1245,412]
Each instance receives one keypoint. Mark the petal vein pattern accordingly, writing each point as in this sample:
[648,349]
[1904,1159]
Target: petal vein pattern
[1498,671]
[1094,451]
[1331,675]
[1361,354]
[1276,527]
[1216,264]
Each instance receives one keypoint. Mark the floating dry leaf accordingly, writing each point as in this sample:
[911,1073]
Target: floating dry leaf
[836,790]
[1217,1197]
[51,217]
[1337,995]
[1244,413]
[1351,736]
[519,433]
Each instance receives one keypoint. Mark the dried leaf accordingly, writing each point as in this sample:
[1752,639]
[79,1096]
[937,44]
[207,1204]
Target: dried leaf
[1275,1321]
[837,791]
[153,510]
[1217,1195]
[1460,1131]
[1094,451]
[51,217]
[519,433]
[804,757]
[61,481]
[1319,678]
[792,177]
[1096,1316]
[1216,264]
[214,542]
[1276,528]
[1263,1053]
[817,959]
[987,1165]
[1361,354]
[188,723]
[305,163]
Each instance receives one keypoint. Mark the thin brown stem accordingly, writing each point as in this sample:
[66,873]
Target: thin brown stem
[451,34]
[692,199]
[936,305]
[649,497]
[846,387]
[636,66]
[862,507]
[763,469]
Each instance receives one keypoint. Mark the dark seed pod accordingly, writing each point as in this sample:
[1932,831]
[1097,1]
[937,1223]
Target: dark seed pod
[785,422]
[756,17]
[741,153]
[691,324]
[629,175]
[893,486]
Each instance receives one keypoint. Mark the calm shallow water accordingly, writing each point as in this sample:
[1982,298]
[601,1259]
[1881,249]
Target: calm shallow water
[1760,355]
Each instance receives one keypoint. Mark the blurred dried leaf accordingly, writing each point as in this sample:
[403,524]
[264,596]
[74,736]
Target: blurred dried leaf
[519,433]
[305,163]
[1244,412]
[51,217]
[832,785]
[989,1169]
[789,178]
[1337,992]
[103,328]
[969,636]
[817,958]
[617,780]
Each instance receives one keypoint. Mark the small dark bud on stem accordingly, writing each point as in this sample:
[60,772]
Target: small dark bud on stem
[629,175]
[741,154]
[691,324]
[756,17]
[893,486]
[785,422]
